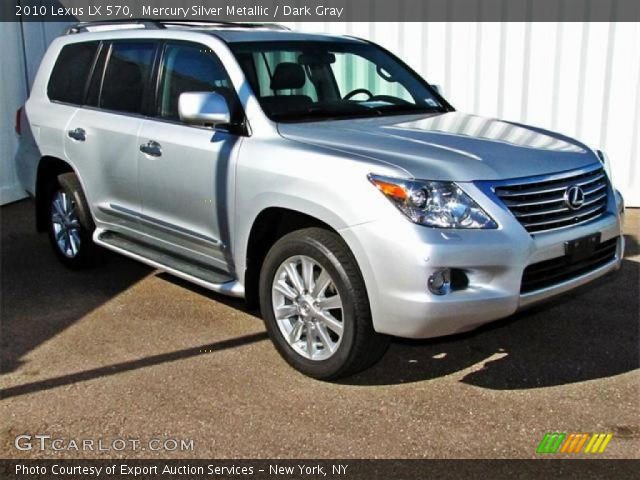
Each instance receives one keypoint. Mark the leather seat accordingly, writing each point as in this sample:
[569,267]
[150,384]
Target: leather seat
[287,76]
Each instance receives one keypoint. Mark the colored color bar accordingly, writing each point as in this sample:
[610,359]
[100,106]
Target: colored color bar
[594,449]
[556,442]
[571,439]
[581,443]
[594,437]
[605,443]
[542,447]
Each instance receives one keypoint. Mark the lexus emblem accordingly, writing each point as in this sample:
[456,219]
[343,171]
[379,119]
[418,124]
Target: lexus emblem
[574,197]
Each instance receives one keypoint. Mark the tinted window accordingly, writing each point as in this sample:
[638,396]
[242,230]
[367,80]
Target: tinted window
[69,76]
[191,68]
[313,81]
[126,76]
[93,89]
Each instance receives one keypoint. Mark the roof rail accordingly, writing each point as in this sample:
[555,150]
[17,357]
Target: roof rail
[124,24]
[131,23]
[217,24]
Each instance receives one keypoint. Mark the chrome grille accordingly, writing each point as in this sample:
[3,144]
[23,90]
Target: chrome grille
[541,206]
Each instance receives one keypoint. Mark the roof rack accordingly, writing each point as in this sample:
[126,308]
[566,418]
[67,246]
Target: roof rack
[128,23]
[162,24]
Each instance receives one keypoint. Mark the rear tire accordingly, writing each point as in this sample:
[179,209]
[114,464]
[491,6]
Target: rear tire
[70,225]
[315,305]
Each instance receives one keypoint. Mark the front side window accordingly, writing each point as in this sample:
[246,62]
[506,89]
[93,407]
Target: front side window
[126,76]
[191,68]
[69,75]
[316,80]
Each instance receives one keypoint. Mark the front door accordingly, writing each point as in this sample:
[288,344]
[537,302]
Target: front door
[186,172]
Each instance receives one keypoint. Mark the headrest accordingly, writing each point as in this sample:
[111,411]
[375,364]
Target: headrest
[288,75]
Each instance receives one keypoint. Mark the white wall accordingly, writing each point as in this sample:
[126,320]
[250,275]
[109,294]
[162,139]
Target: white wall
[12,93]
[581,79]
[23,45]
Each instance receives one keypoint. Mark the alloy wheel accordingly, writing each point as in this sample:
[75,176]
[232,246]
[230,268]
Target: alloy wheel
[308,308]
[65,224]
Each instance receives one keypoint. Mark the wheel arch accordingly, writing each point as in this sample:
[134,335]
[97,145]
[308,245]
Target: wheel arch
[48,169]
[271,224]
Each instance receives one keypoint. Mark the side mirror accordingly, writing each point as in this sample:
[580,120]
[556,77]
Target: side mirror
[438,88]
[203,108]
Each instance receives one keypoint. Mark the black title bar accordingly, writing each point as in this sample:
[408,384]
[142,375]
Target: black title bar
[323,10]
[309,469]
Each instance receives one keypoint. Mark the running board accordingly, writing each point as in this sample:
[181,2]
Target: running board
[194,272]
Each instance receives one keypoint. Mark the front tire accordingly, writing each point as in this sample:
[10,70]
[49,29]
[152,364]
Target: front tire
[315,305]
[70,224]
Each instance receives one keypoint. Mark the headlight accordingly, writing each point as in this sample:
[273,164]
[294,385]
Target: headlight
[433,204]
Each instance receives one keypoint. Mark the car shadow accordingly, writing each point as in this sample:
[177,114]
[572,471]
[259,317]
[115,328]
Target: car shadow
[231,302]
[39,297]
[589,333]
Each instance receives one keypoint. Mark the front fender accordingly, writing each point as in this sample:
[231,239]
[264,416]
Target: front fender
[268,200]
[280,173]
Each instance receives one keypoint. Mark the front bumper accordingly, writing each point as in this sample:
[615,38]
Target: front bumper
[397,257]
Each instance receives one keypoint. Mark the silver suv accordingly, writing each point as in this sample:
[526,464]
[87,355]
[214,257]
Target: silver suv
[317,176]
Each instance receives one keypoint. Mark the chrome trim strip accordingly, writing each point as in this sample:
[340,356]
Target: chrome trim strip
[531,191]
[515,203]
[546,178]
[594,200]
[154,222]
[563,219]
[569,225]
[594,190]
[542,212]
[591,180]
[541,190]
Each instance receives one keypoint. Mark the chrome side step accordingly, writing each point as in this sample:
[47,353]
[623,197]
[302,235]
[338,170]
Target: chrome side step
[193,272]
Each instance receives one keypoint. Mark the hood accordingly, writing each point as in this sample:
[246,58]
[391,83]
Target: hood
[449,146]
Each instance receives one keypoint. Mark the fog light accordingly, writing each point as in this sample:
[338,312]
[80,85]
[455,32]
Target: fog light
[440,282]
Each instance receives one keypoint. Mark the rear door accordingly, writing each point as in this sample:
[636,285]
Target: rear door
[102,136]
[186,177]
[66,91]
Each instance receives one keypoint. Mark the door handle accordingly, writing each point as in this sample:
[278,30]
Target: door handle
[78,134]
[151,148]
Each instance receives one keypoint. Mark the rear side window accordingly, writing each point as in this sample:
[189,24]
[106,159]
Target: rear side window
[126,76]
[69,76]
[93,90]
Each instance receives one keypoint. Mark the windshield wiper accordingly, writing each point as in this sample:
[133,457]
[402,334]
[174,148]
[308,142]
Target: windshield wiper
[330,112]
[411,109]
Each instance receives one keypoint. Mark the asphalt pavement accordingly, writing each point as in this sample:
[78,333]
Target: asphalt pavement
[124,352]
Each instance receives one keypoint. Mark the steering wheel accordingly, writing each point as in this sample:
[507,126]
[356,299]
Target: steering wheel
[358,91]
[389,99]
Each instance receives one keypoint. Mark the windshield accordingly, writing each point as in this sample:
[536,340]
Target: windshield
[310,81]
